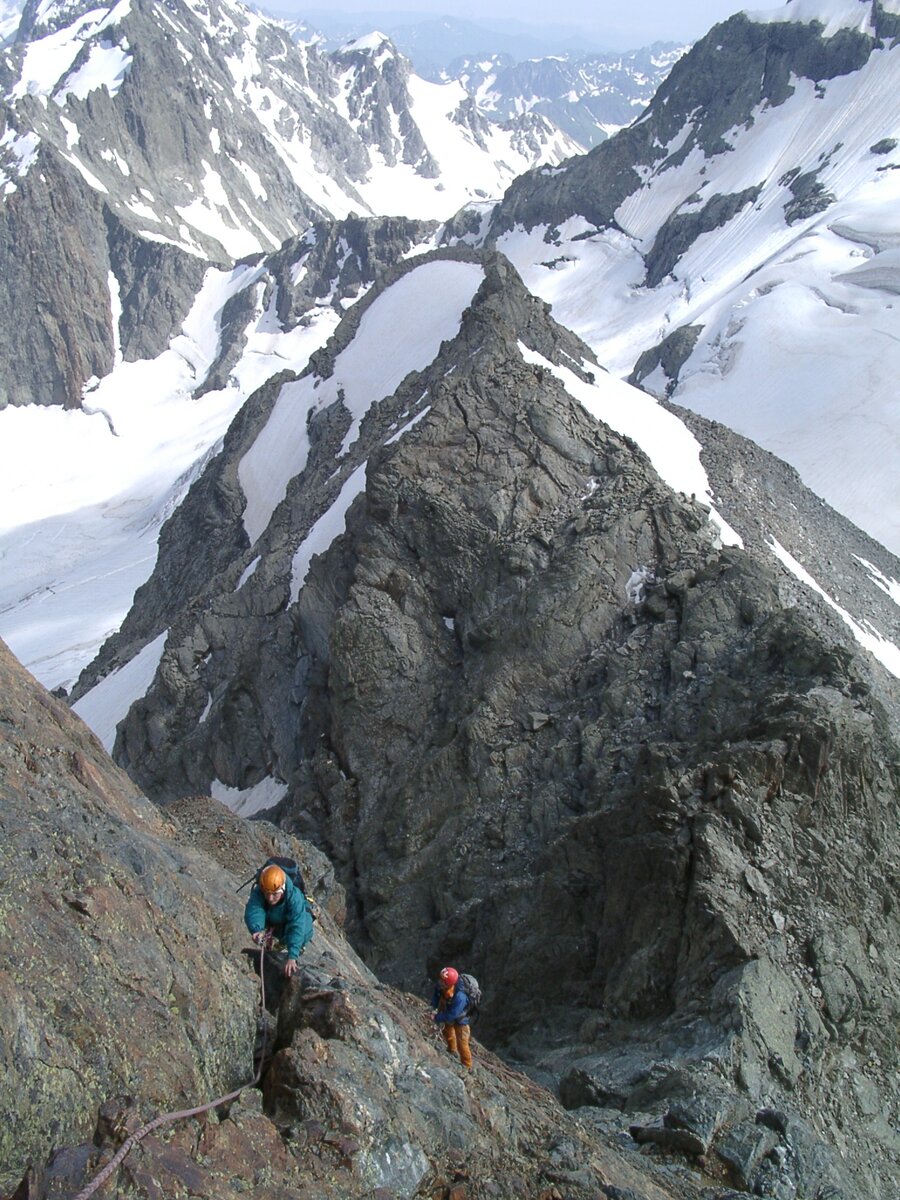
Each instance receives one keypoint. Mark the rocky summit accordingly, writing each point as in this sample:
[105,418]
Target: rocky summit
[552,719]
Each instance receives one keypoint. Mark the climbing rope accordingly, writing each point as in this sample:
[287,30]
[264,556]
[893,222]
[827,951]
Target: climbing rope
[171,1118]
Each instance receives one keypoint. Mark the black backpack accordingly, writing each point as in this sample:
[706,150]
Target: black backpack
[470,985]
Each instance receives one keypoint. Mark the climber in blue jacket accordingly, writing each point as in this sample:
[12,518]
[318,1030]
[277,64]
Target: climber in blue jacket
[277,908]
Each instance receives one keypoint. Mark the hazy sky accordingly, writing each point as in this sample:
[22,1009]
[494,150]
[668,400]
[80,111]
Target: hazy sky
[642,20]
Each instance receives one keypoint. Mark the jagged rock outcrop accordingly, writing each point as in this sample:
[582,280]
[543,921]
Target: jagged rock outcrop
[124,997]
[544,723]
[337,261]
[378,103]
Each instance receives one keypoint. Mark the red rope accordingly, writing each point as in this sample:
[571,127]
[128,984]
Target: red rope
[170,1118]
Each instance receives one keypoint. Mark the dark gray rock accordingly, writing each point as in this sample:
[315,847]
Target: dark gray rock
[55,315]
[125,1001]
[631,811]
[744,1149]
[809,197]
[671,354]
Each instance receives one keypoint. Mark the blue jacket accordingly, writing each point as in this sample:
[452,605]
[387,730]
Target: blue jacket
[452,1009]
[290,919]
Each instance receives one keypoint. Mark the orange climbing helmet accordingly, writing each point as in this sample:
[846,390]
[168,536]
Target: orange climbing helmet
[271,879]
[449,977]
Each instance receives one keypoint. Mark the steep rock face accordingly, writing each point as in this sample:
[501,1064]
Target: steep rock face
[156,283]
[56,330]
[546,725]
[124,998]
[378,103]
[118,945]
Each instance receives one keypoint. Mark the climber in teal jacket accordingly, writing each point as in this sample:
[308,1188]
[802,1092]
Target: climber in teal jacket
[277,906]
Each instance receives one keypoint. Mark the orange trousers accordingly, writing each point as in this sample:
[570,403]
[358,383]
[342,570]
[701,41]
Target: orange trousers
[457,1039]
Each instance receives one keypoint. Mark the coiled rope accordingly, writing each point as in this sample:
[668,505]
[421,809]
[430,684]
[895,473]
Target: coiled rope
[170,1118]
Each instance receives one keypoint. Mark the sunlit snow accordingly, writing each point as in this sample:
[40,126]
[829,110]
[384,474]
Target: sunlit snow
[887,653]
[401,331]
[49,58]
[326,529]
[104,706]
[799,325]
[105,67]
[86,492]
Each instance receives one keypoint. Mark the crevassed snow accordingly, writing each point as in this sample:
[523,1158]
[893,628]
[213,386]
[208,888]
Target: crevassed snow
[887,653]
[401,331]
[329,526]
[85,492]
[668,443]
[104,706]
[800,341]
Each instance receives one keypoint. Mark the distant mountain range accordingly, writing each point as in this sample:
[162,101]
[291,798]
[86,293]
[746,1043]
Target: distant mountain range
[10,12]
[587,91]
[432,43]
[589,97]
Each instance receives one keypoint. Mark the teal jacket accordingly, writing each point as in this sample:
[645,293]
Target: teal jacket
[290,919]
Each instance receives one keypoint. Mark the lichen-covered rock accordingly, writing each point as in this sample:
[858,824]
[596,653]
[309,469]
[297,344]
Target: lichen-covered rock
[119,947]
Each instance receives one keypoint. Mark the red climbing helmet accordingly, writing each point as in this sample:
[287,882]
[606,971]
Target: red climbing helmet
[449,977]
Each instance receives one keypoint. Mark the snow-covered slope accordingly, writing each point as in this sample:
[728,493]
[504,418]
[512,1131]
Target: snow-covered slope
[737,248]
[255,133]
[89,490]
[86,491]
[10,12]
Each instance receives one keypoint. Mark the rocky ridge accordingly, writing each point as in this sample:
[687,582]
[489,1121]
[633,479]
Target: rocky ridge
[543,722]
[125,996]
